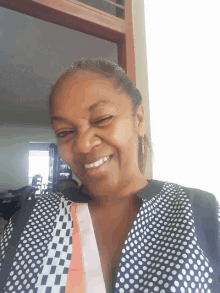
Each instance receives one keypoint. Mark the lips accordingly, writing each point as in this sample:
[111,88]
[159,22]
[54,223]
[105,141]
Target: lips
[97,163]
[92,161]
[97,170]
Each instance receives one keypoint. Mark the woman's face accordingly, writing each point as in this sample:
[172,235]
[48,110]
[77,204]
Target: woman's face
[93,122]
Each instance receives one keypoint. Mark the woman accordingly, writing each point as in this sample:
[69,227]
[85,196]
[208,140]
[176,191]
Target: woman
[119,232]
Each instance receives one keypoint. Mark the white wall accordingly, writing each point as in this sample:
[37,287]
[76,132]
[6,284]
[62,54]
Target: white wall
[183,51]
[14,151]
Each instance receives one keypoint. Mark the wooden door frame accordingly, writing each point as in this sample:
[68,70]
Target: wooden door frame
[83,18]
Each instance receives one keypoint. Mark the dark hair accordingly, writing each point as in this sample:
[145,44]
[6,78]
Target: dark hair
[120,81]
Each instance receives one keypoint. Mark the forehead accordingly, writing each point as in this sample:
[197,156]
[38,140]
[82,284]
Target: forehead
[83,89]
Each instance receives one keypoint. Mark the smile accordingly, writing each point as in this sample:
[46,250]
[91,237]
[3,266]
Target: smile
[97,163]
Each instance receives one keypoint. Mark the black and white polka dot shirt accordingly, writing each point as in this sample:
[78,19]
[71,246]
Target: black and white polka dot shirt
[163,251]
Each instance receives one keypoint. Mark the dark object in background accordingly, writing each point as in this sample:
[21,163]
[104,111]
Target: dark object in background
[37,180]
[63,184]
[12,200]
[58,169]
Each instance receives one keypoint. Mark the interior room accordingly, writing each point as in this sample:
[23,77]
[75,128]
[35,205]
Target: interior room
[34,50]
[145,216]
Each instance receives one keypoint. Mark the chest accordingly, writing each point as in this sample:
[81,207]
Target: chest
[110,247]
[111,230]
[110,243]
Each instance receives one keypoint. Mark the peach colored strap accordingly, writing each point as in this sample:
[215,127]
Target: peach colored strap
[93,276]
[75,278]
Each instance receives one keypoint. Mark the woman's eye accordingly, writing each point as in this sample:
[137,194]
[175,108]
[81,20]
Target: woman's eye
[103,119]
[63,134]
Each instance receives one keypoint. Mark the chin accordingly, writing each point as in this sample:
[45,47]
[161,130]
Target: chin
[102,187]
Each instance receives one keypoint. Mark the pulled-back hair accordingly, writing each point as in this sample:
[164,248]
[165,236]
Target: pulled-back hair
[120,80]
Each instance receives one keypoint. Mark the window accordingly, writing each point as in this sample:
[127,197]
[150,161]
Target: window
[114,7]
[39,162]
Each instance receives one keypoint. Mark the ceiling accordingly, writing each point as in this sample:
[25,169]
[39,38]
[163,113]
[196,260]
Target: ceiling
[33,52]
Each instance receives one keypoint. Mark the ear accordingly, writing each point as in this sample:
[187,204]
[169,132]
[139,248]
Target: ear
[139,121]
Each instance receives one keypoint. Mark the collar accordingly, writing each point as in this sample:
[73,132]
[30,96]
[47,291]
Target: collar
[79,195]
[150,190]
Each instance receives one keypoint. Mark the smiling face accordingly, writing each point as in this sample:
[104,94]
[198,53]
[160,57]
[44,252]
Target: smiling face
[94,123]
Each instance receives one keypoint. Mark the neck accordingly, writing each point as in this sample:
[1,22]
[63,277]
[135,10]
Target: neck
[119,199]
[115,213]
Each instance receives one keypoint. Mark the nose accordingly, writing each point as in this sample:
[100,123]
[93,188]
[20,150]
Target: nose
[85,141]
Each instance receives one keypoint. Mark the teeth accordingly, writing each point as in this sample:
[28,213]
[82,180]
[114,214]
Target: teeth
[96,164]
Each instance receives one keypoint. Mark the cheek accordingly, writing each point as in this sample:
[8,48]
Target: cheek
[122,136]
[65,153]
[68,156]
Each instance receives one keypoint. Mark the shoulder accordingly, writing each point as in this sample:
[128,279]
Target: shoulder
[155,187]
[195,194]
[201,205]
[199,201]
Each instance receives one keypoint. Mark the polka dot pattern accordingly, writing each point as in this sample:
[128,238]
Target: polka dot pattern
[161,252]
[33,246]
[4,241]
[54,269]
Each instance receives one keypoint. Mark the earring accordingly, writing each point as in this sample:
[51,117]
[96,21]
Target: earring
[142,142]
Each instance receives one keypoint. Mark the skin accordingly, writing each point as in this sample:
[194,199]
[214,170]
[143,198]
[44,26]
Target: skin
[83,137]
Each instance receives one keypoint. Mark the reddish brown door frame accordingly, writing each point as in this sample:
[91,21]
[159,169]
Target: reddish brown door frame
[83,18]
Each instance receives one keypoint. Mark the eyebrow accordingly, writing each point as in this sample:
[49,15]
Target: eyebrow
[90,108]
[97,104]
